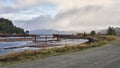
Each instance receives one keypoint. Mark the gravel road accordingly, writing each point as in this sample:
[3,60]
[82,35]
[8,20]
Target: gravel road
[100,57]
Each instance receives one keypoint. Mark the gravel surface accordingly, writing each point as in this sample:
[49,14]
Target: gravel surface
[100,57]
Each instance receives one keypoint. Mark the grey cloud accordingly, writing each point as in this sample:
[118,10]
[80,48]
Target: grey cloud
[93,15]
[46,22]
[41,22]
[22,5]
[6,10]
[81,11]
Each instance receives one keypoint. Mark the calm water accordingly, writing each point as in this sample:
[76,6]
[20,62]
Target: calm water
[11,44]
[27,43]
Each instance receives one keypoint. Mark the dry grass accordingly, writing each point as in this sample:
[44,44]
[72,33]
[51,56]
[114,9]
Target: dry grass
[108,37]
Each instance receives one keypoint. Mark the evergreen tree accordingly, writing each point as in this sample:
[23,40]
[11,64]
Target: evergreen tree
[27,32]
[111,31]
[93,33]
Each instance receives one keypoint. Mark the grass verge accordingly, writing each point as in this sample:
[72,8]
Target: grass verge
[27,55]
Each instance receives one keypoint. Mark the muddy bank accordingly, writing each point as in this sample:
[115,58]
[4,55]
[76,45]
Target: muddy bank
[34,46]
[16,39]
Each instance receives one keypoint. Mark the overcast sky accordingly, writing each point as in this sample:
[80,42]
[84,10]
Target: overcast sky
[77,15]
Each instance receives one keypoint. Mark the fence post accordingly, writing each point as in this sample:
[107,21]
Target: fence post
[35,38]
[46,39]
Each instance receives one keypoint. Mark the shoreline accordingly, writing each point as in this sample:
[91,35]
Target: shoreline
[16,39]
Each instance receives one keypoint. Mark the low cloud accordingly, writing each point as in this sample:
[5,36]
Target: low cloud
[41,22]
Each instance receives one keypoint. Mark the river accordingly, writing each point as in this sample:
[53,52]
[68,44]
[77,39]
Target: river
[22,45]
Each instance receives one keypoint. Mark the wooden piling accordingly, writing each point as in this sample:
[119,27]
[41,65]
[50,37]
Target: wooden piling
[46,39]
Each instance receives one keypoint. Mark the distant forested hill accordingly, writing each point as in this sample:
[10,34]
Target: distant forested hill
[7,27]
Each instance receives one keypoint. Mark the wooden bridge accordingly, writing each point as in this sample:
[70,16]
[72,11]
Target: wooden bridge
[35,37]
[68,36]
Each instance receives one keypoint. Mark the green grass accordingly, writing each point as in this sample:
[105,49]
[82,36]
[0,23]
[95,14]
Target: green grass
[27,55]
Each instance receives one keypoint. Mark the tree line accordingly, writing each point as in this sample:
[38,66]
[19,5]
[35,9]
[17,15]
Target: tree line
[110,31]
